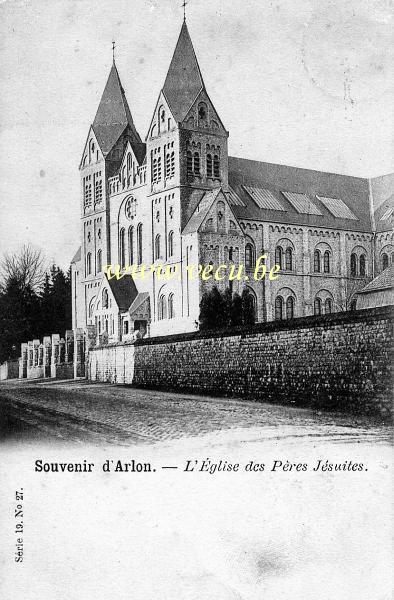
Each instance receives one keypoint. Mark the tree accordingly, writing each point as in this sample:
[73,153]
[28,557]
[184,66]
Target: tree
[213,310]
[32,303]
[27,266]
[224,309]
[248,310]
[19,317]
[236,316]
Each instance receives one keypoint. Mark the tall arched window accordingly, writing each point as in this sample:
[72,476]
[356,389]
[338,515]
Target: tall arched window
[216,166]
[168,165]
[385,261]
[353,265]
[171,313]
[290,308]
[172,167]
[317,306]
[131,245]
[162,308]
[279,257]
[278,308]
[209,165]
[196,163]
[189,163]
[139,243]
[157,247]
[171,243]
[104,298]
[99,262]
[316,261]
[249,257]
[289,259]
[326,262]
[88,263]
[328,306]
[122,250]
[362,265]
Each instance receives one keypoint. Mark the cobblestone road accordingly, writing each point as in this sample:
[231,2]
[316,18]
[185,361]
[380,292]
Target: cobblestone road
[82,412]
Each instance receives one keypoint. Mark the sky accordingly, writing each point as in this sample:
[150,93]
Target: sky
[307,83]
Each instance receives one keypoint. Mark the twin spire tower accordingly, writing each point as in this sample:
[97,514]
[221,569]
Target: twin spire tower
[185,151]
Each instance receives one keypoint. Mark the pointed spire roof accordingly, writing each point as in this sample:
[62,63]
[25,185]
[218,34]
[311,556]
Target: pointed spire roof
[184,80]
[113,114]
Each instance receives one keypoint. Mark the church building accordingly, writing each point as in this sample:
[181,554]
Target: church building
[177,199]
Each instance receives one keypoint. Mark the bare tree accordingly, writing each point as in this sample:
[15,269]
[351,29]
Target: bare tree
[27,266]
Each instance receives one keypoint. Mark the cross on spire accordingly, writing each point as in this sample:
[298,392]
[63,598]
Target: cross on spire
[184,9]
[113,51]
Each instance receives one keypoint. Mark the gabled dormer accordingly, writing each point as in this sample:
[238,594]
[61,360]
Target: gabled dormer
[131,173]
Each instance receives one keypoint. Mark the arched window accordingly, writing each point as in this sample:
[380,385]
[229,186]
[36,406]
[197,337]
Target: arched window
[91,307]
[216,166]
[157,247]
[158,168]
[353,305]
[88,263]
[279,257]
[278,308]
[316,261]
[385,261]
[326,262]
[289,259]
[353,265]
[104,298]
[249,257]
[317,306]
[290,308]
[189,163]
[139,244]
[168,165]
[209,165]
[162,308]
[328,306]
[172,168]
[171,313]
[99,262]
[131,245]
[122,253]
[220,208]
[362,265]
[196,163]
[171,243]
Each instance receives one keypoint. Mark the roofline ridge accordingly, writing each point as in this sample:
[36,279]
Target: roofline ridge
[365,179]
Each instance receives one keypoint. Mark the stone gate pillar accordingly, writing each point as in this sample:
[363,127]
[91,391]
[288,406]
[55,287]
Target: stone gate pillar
[54,353]
[62,351]
[47,355]
[23,361]
[79,353]
[30,359]
[69,354]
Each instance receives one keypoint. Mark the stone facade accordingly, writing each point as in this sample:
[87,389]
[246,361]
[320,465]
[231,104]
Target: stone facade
[179,199]
[341,361]
[9,370]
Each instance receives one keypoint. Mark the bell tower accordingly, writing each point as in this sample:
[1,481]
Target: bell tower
[112,128]
[186,142]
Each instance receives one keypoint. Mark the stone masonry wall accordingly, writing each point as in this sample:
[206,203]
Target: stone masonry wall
[339,361]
